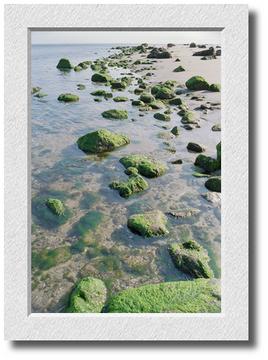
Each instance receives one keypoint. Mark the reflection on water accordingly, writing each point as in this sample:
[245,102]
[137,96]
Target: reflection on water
[92,236]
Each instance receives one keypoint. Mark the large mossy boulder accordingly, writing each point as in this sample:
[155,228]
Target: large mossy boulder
[47,258]
[56,206]
[149,224]
[115,114]
[207,163]
[133,185]
[89,296]
[196,83]
[146,166]
[100,78]
[197,296]
[162,92]
[159,53]
[191,258]
[64,64]
[214,184]
[68,97]
[101,140]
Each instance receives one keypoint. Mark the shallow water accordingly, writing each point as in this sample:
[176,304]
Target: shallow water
[60,169]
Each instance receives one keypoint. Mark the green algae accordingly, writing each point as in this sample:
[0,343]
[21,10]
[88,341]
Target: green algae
[115,114]
[47,258]
[151,223]
[146,166]
[68,97]
[196,83]
[134,184]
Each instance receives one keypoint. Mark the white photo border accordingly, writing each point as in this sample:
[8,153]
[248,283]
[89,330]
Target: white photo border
[232,323]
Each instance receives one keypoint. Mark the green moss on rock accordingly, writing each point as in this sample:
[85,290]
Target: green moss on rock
[191,258]
[68,97]
[100,78]
[179,69]
[88,296]
[152,223]
[162,117]
[214,184]
[218,148]
[215,87]
[120,99]
[198,296]
[207,163]
[101,141]
[146,166]
[196,83]
[102,93]
[147,98]
[64,64]
[133,185]
[176,101]
[115,114]
[47,258]
[162,92]
[56,206]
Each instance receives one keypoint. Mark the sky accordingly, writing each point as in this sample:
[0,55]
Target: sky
[121,37]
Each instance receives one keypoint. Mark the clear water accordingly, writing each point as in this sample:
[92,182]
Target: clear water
[117,256]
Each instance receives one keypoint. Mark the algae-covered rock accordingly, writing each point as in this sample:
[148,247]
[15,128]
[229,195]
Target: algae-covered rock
[215,87]
[147,98]
[194,147]
[47,258]
[156,105]
[138,91]
[120,99]
[214,184]
[175,130]
[176,101]
[146,166]
[191,258]
[197,83]
[35,89]
[101,141]
[115,114]
[218,148]
[68,97]
[133,185]
[162,92]
[197,296]
[64,64]
[159,53]
[152,223]
[188,117]
[88,296]
[179,69]
[78,68]
[207,163]
[131,171]
[162,117]
[102,93]
[208,52]
[137,103]
[56,206]
[100,78]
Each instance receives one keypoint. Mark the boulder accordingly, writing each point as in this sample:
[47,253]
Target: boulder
[146,166]
[35,89]
[162,117]
[89,296]
[194,147]
[197,296]
[115,114]
[192,45]
[175,130]
[137,103]
[208,52]
[64,64]
[68,98]
[120,99]
[196,83]
[159,53]
[176,101]
[218,52]
[214,184]
[133,185]
[191,258]
[152,223]
[101,140]
[55,206]
[147,98]
[207,163]
[100,78]
[162,92]
[215,87]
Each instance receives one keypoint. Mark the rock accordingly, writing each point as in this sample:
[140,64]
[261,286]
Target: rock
[89,296]
[184,213]
[102,93]
[35,90]
[212,197]
[146,98]
[152,223]
[68,97]
[40,95]
[47,258]
[197,296]
[145,165]
[188,117]
[188,127]
[218,148]
[207,163]
[192,45]
[80,87]
[120,99]
[196,83]
[56,206]
[137,103]
[191,258]
[194,147]
[120,85]
[175,130]
[78,68]
[156,105]
[138,91]
[215,87]
[179,69]
[162,92]
[101,141]
[100,78]
[162,117]
[97,100]
[177,162]
[159,53]
[64,64]
[207,52]
[115,114]
[216,127]
[218,52]
[176,101]
[131,171]
[133,185]
[208,57]
[214,184]
[177,60]
[169,45]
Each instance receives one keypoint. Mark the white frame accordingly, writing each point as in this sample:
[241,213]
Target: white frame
[232,323]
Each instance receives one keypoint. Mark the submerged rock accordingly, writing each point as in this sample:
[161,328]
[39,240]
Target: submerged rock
[162,117]
[159,53]
[196,83]
[188,117]
[137,103]
[101,141]
[40,95]
[68,97]
[152,223]
[89,296]
[56,206]
[115,114]
[146,166]
[133,185]
[47,258]
[184,213]
[35,89]
[192,258]
[197,296]
[64,64]
[194,147]
[214,184]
